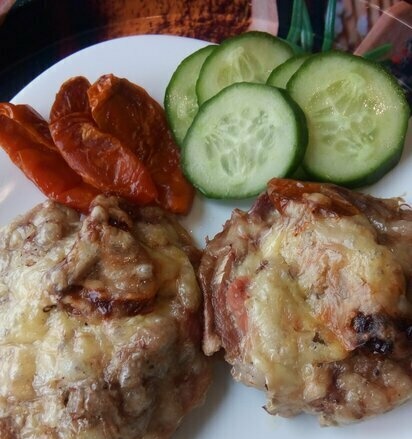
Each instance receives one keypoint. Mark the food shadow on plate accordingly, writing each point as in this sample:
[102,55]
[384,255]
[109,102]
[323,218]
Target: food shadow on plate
[379,427]
[407,150]
[397,181]
[197,421]
[205,217]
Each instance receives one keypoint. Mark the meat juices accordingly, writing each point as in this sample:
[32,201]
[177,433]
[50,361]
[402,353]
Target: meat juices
[99,323]
[308,294]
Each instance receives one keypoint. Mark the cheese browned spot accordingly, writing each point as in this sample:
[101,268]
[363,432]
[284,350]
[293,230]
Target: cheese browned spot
[322,321]
[99,324]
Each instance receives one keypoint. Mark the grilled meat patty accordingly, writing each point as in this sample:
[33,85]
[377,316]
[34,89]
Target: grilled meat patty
[309,295]
[100,335]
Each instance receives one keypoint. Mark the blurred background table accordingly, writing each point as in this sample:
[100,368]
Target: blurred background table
[35,34]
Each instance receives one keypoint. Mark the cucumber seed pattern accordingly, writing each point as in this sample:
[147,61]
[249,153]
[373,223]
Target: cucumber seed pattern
[343,116]
[241,65]
[231,138]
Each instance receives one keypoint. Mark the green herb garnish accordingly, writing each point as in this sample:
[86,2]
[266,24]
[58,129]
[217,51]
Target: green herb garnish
[378,53]
[329,32]
[301,36]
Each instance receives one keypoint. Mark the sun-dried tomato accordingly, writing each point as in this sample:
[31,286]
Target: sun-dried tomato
[31,120]
[71,98]
[129,113]
[30,148]
[101,159]
[281,191]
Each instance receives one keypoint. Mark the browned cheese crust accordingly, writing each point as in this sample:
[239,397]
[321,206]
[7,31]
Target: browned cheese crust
[100,335]
[308,294]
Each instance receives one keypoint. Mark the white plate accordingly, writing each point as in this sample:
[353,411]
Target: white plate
[231,409]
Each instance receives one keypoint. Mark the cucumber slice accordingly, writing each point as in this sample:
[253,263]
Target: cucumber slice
[241,138]
[357,118]
[180,98]
[249,57]
[281,75]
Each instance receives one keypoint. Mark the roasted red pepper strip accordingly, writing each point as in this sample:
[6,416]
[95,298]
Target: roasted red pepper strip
[101,159]
[129,113]
[42,165]
[71,98]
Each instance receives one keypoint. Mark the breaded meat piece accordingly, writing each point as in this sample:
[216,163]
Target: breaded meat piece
[100,328]
[309,295]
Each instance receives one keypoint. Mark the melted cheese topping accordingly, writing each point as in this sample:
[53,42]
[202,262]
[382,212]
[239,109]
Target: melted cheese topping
[67,376]
[308,280]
